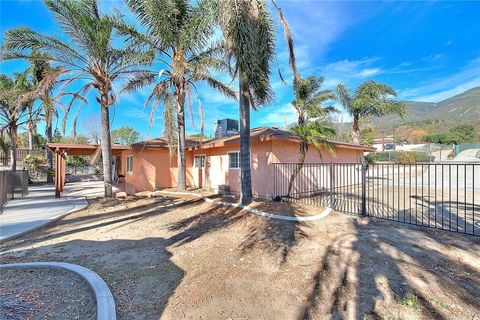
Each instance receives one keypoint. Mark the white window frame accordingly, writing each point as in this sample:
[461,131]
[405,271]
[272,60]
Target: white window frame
[129,164]
[233,168]
[204,160]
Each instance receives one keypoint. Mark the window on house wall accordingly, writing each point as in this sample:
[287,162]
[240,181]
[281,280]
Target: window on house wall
[199,162]
[129,163]
[234,160]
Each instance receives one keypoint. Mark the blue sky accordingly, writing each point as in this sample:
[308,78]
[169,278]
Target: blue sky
[427,50]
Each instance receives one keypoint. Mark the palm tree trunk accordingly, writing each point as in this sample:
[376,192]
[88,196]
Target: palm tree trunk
[298,167]
[181,175]
[30,139]
[106,147]
[245,170]
[13,148]
[302,154]
[356,130]
[49,135]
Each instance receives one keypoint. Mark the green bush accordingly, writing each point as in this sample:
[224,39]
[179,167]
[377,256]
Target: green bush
[404,157]
[401,157]
[34,164]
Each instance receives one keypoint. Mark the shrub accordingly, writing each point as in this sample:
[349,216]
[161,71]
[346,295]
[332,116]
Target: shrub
[410,301]
[34,163]
[402,157]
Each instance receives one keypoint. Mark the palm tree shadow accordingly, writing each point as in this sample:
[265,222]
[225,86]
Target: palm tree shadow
[216,218]
[275,236]
[365,272]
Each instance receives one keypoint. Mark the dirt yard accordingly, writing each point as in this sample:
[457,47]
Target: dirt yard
[179,257]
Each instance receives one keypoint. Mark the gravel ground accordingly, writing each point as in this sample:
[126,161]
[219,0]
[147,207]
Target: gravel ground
[182,258]
[44,293]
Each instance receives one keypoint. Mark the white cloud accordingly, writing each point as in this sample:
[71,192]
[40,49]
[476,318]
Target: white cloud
[349,72]
[444,87]
[433,57]
[368,72]
[277,116]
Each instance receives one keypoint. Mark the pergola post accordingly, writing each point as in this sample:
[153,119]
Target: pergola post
[64,169]
[58,173]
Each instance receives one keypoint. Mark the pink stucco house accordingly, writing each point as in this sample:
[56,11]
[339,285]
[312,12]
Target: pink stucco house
[211,163]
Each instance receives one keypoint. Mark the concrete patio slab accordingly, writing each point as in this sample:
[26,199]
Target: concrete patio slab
[31,212]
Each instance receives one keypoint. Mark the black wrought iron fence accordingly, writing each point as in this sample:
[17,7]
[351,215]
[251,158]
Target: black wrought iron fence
[440,195]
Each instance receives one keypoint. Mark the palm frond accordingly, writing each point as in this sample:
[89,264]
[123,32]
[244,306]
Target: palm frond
[138,81]
[289,41]
[344,96]
[21,38]
[199,27]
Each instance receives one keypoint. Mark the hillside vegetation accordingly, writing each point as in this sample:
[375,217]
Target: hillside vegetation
[429,118]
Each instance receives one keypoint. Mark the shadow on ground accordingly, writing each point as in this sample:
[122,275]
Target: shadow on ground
[372,272]
[275,236]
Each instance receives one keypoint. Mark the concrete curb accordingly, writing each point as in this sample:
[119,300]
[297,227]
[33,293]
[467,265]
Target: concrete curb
[260,213]
[51,220]
[103,296]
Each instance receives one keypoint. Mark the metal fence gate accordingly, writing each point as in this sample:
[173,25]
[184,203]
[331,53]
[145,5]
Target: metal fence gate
[438,195]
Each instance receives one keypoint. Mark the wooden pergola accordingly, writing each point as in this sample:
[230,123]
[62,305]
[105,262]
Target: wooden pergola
[61,150]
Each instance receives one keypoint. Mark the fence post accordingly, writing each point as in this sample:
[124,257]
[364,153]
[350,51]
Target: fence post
[331,185]
[364,188]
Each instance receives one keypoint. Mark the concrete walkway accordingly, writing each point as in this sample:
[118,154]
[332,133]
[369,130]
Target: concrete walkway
[35,210]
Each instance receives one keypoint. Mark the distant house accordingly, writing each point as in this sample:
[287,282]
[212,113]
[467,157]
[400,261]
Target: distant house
[212,163]
[388,142]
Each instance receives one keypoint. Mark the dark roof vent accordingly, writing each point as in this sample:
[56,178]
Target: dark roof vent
[226,127]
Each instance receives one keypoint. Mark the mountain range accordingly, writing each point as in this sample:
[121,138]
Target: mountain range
[424,118]
[459,109]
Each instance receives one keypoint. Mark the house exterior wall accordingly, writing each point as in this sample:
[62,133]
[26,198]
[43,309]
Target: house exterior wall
[156,168]
[264,153]
[152,169]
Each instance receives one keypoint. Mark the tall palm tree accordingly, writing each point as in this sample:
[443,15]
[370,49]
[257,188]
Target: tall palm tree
[88,57]
[41,69]
[179,33]
[370,99]
[249,37]
[16,98]
[314,127]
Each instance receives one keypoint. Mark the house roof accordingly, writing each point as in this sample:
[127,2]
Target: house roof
[256,134]
[75,149]
[163,143]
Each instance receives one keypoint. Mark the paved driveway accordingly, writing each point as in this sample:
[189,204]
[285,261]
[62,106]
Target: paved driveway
[35,210]
[469,155]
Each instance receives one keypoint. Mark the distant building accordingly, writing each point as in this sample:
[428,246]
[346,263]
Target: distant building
[389,142]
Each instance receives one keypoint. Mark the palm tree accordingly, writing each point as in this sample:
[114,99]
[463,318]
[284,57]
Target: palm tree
[249,38]
[41,69]
[371,99]
[16,98]
[178,32]
[88,57]
[314,126]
